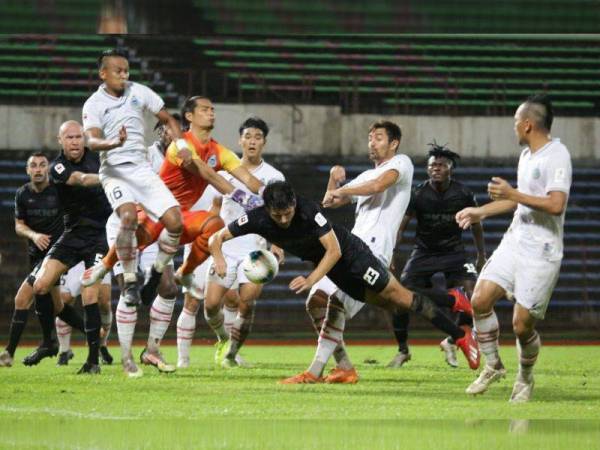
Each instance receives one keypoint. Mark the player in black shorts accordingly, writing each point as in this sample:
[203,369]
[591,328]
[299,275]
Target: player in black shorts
[297,225]
[38,217]
[75,173]
[438,246]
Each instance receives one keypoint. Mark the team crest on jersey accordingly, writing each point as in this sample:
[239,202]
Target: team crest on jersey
[134,101]
[212,161]
[243,220]
[536,173]
[59,168]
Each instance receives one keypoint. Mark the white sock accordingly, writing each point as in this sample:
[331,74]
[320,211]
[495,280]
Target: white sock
[528,352]
[63,333]
[216,324]
[160,318]
[168,244]
[106,318]
[229,317]
[186,325]
[488,330]
[331,336]
[126,247]
[126,320]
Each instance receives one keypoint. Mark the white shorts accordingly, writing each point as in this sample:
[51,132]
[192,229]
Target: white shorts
[523,273]
[235,273]
[146,258]
[137,183]
[351,306]
[200,272]
[70,282]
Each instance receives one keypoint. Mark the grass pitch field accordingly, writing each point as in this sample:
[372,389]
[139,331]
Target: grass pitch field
[421,405]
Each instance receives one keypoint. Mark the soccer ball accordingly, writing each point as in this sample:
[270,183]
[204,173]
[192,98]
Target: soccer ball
[260,266]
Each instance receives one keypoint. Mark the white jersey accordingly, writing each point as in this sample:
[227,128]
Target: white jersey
[231,210]
[156,156]
[539,173]
[110,113]
[378,216]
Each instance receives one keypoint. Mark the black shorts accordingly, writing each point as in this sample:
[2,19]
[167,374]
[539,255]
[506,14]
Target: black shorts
[421,266]
[35,262]
[87,244]
[359,270]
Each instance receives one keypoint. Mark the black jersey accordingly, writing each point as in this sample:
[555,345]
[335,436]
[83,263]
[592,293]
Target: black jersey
[86,206]
[41,211]
[437,230]
[357,270]
[301,238]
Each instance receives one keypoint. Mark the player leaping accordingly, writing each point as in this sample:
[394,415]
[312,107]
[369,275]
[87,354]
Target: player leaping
[113,119]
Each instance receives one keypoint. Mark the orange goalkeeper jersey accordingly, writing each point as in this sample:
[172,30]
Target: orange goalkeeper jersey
[188,187]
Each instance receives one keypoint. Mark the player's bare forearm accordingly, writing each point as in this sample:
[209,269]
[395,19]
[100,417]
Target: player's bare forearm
[496,207]
[95,141]
[332,255]
[244,175]
[83,179]
[402,228]
[215,246]
[23,230]
[167,119]
[213,178]
[478,239]
[554,203]
[371,187]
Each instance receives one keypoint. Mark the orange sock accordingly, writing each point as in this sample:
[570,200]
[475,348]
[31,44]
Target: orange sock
[200,251]
[111,258]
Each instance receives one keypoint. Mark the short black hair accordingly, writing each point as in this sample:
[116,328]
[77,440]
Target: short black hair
[37,155]
[188,107]
[118,52]
[254,122]
[392,130]
[175,116]
[539,109]
[279,195]
[442,151]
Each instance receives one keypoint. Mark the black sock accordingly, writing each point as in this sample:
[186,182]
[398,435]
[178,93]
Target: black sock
[400,321]
[424,306]
[92,331]
[17,325]
[439,296]
[45,311]
[464,319]
[69,316]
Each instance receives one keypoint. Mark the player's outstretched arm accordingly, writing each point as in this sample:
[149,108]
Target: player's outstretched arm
[215,246]
[343,195]
[83,179]
[478,239]
[553,203]
[332,255]
[468,216]
[94,139]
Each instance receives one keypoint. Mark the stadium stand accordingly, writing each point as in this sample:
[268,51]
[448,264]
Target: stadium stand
[431,73]
[61,69]
[414,16]
[425,74]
